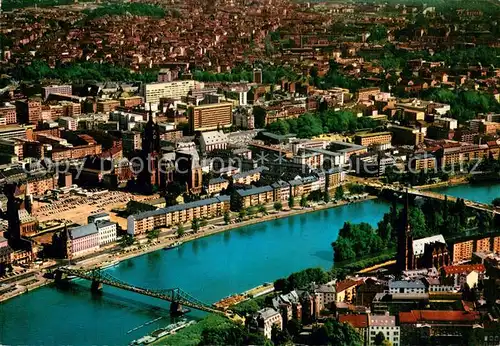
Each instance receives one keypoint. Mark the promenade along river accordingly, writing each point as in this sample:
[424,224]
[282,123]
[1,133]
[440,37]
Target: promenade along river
[208,268]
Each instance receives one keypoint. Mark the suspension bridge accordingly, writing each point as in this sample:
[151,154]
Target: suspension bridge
[176,296]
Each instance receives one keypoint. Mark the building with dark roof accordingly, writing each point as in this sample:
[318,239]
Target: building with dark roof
[252,197]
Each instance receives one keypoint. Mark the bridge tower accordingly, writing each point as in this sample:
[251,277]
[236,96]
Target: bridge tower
[59,276]
[96,286]
[176,308]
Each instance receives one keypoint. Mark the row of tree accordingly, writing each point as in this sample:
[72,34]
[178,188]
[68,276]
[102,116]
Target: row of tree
[465,104]
[121,9]
[431,218]
[80,71]
[270,74]
[313,124]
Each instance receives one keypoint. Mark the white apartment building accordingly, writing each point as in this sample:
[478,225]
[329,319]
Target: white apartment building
[176,89]
[406,287]
[385,324]
[107,232]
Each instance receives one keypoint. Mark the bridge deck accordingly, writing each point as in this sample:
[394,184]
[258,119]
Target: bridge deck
[173,295]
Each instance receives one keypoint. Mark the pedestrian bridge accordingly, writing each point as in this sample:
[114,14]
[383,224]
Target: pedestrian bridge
[176,296]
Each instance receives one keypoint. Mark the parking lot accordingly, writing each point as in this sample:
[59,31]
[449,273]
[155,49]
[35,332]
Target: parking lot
[75,208]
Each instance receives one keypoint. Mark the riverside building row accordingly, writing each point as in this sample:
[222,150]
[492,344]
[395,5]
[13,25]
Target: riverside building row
[214,207]
[166,217]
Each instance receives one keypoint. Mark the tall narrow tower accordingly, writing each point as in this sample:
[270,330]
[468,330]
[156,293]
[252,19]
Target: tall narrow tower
[404,258]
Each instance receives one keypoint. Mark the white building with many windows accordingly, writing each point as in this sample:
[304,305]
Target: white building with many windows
[406,287]
[384,324]
[107,232]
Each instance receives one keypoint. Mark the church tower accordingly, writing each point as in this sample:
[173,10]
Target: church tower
[150,154]
[151,142]
[405,260]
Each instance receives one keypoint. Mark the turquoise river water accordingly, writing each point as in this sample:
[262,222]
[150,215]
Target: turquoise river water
[208,268]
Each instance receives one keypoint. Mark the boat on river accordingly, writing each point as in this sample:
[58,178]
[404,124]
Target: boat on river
[173,245]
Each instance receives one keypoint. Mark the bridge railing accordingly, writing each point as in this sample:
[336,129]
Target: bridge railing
[175,295]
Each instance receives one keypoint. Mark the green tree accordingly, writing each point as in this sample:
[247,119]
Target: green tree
[227,217]
[278,206]
[280,337]
[248,307]
[291,201]
[333,332]
[356,189]
[339,193]
[326,197]
[203,223]
[496,202]
[127,240]
[379,338]
[303,201]
[180,230]
[259,114]
[294,327]
[262,209]
[378,33]
[243,213]
[195,225]
[251,211]
[417,222]
[153,234]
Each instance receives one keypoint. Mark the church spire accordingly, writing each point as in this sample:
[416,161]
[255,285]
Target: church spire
[407,213]
[405,260]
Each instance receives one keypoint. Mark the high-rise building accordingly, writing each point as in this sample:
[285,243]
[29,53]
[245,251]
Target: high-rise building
[153,92]
[56,89]
[210,117]
[8,112]
[29,111]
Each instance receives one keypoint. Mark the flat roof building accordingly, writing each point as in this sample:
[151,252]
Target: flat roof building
[210,117]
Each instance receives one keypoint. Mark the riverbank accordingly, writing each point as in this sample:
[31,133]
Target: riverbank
[105,259]
[23,286]
[166,241]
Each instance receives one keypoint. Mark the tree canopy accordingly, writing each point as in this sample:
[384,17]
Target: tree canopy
[335,333]
[75,71]
[313,124]
[120,9]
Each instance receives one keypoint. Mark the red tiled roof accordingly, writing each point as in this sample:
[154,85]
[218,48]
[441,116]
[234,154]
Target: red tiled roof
[465,268]
[343,285]
[493,144]
[357,321]
[423,316]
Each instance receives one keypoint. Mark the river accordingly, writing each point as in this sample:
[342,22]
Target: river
[483,193]
[208,268]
